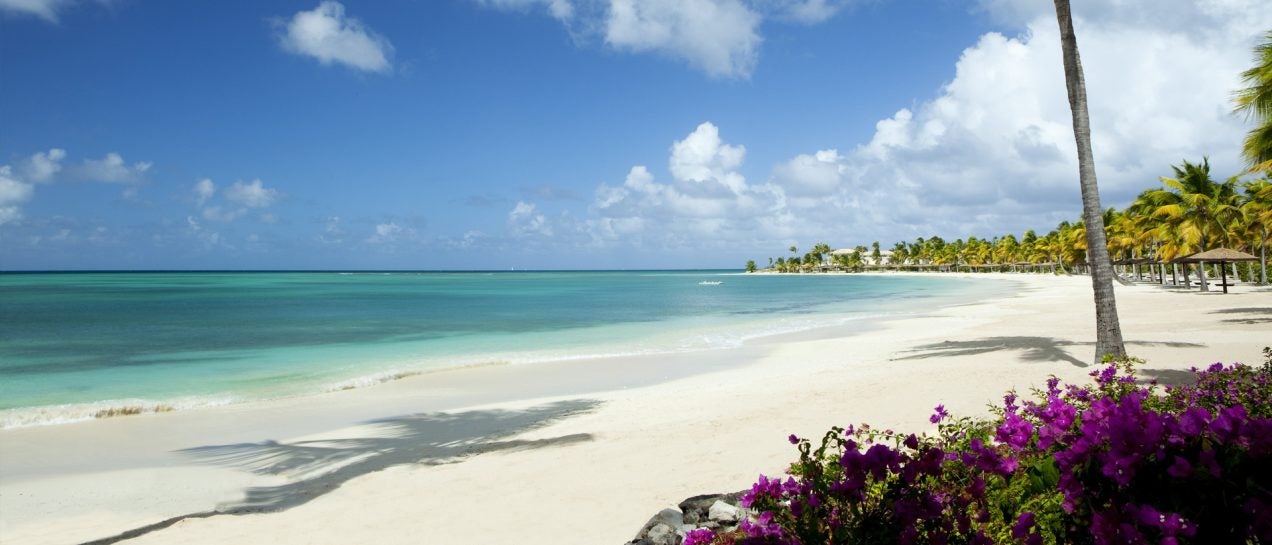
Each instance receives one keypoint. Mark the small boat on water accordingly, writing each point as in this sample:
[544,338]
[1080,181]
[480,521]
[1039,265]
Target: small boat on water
[710,283]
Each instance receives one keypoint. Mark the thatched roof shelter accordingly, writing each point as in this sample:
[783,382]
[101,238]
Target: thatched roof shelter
[1220,256]
[1217,255]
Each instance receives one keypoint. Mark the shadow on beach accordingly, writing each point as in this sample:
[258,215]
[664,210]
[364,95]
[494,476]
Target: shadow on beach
[1167,377]
[1255,315]
[315,467]
[1032,349]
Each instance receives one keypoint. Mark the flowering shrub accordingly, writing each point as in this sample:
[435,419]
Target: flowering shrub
[1111,463]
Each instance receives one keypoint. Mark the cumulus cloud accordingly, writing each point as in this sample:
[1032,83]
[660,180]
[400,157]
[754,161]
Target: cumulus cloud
[707,197]
[326,34]
[44,9]
[718,36]
[235,201]
[252,194]
[525,220]
[113,169]
[388,232]
[559,9]
[815,175]
[203,190]
[13,193]
[991,153]
[42,166]
[994,151]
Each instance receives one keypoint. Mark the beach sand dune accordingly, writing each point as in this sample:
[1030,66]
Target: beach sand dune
[564,454]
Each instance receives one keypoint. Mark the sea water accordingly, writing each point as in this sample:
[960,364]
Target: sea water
[75,346]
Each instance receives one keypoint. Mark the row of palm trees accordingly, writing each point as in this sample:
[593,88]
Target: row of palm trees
[1189,213]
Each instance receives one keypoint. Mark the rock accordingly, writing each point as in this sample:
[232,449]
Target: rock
[724,513]
[662,529]
[697,509]
[662,534]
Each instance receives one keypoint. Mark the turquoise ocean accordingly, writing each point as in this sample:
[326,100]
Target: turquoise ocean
[74,346]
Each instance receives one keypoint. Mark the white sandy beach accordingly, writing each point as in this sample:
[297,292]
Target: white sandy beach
[573,453]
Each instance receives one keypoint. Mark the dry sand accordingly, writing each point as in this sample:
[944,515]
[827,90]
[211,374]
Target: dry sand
[575,453]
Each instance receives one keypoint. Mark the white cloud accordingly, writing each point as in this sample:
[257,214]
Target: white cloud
[44,9]
[235,200]
[808,12]
[252,194]
[813,175]
[112,168]
[994,151]
[707,202]
[387,232]
[203,190]
[326,34]
[991,153]
[559,9]
[718,36]
[525,220]
[43,165]
[13,192]
[703,157]
[222,214]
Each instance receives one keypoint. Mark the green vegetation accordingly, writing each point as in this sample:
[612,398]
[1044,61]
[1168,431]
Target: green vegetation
[1189,213]
[1256,102]
[1115,461]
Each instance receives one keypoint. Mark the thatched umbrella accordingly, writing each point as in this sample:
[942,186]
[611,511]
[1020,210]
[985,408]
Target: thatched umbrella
[1220,256]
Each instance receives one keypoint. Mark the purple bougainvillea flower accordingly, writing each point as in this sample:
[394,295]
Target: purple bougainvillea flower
[701,536]
[938,415]
[1193,420]
[1023,525]
[1180,468]
[1015,431]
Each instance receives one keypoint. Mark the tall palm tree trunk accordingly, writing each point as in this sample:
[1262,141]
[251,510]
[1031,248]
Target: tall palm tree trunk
[1108,332]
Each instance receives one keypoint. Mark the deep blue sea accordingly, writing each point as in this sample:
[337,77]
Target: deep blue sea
[75,344]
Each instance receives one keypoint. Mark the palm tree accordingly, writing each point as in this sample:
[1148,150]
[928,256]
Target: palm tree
[1108,339]
[1195,212]
[900,254]
[1258,211]
[1256,102]
[820,251]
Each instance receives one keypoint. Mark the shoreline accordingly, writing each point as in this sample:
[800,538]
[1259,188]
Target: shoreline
[395,367]
[610,456]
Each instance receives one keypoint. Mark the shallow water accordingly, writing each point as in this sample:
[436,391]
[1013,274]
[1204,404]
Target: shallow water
[80,345]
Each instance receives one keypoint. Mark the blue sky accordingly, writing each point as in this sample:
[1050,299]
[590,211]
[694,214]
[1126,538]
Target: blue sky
[489,134]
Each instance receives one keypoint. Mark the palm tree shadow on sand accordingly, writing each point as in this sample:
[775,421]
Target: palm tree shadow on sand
[1253,315]
[314,467]
[1031,349]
